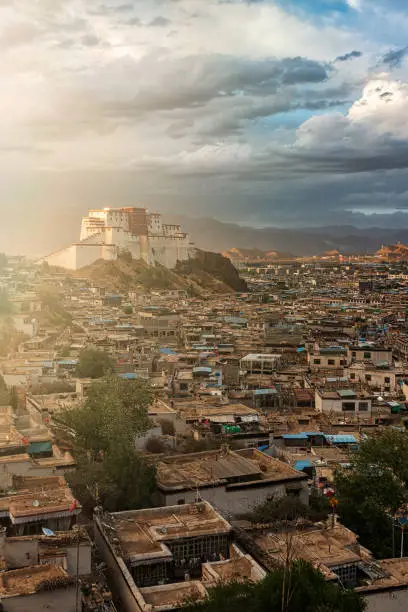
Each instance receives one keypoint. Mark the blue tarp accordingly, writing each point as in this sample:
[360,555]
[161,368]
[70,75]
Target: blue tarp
[265,391]
[341,439]
[167,351]
[303,435]
[129,376]
[298,436]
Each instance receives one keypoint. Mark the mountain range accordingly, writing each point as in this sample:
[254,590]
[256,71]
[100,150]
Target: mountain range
[213,235]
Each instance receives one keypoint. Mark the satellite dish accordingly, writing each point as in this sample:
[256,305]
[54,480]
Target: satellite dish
[36,503]
[47,532]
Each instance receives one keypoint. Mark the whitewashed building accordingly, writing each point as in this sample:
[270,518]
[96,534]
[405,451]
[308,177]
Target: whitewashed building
[108,232]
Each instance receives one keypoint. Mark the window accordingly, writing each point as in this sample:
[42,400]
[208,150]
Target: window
[180,502]
[331,362]
[316,361]
[367,355]
[368,377]
[363,406]
[183,387]
[387,379]
[354,354]
[352,376]
[348,406]
[342,362]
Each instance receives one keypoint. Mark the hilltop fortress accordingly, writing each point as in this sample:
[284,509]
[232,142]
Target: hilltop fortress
[107,232]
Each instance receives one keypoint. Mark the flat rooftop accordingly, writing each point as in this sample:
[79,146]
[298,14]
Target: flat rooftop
[31,579]
[324,548]
[239,567]
[144,533]
[223,468]
[36,497]
[170,596]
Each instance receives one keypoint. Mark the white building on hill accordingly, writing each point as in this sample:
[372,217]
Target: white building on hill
[107,232]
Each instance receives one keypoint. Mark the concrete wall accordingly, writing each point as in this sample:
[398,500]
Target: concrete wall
[232,502]
[120,579]
[65,258]
[84,561]
[392,601]
[377,378]
[20,553]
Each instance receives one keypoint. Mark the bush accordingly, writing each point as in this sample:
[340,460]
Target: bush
[156,445]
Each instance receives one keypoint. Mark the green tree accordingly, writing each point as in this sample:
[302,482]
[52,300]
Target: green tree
[288,508]
[94,363]
[295,587]
[104,429]
[5,306]
[373,488]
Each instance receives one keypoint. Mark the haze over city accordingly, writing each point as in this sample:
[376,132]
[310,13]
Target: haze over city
[283,113]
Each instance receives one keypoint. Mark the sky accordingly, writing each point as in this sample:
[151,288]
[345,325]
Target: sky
[287,113]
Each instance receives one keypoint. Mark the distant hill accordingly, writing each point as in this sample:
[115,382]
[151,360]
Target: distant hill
[206,273]
[237,254]
[393,252]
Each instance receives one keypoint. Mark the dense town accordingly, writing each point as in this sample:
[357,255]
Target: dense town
[156,443]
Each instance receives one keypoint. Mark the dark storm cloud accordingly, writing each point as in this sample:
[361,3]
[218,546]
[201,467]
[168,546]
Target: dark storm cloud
[159,22]
[348,56]
[195,80]
[90,40]
[394,57]
[240,89]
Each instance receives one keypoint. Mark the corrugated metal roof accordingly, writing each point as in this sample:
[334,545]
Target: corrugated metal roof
[301,465]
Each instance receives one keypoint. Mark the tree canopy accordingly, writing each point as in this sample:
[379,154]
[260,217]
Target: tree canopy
[287,508]
[373,488]
[296,587]
[104,428]
[5,306]
[94,363]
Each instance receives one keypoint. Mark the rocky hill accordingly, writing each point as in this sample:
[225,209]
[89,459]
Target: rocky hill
[237,254]
[209,269]
[206,273]
[393,252]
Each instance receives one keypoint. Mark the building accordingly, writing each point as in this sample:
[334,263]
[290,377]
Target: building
[260,363]
[108,232]
[370,353]
[335,551]
[159,557]
[36,503]
[345,401]
[233,482]
[328,357]
[379,377]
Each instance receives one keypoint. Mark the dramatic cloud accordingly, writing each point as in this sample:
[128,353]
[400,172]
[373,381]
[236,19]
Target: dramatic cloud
[230,108]
[394,58]
[349,56]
